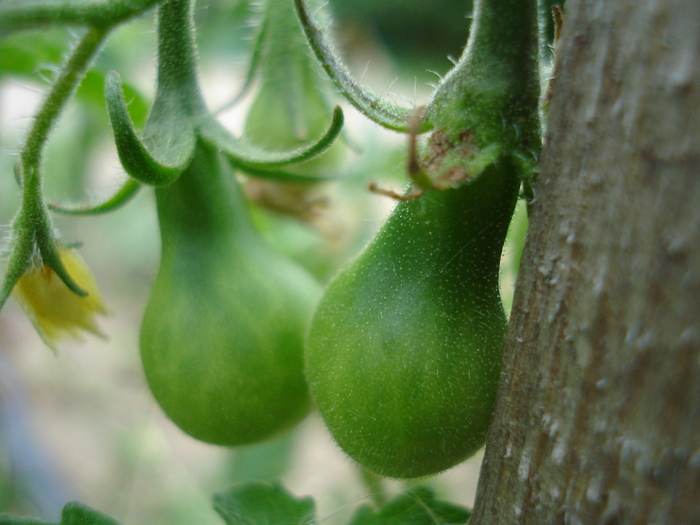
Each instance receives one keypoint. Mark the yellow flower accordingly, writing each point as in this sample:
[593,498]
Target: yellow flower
[55,311]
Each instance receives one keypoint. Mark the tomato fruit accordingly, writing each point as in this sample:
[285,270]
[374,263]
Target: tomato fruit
[404,351]
[223,333]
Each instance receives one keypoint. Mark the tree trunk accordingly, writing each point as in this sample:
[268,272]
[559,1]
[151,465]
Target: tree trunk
[598,413]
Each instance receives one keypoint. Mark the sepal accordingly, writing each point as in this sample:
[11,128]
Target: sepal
[251,158]
[122,196]
[22,258]
[155,168]
[283,176]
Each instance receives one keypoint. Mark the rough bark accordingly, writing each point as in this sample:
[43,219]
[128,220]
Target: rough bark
[598,414]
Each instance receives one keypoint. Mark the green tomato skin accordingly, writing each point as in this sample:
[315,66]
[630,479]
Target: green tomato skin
[223,333]
[404,352]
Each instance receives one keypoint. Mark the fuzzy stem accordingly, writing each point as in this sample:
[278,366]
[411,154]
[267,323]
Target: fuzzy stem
[495,88]
[504,28]
[377,109]
[64,87]
[33,228]
[177,58]
[16,16]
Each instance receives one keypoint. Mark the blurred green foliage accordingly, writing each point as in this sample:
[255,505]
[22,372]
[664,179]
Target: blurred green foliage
[418,34]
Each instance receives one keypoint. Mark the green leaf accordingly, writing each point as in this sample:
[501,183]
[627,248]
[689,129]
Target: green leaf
[416,507]
[74,513]
[258,503]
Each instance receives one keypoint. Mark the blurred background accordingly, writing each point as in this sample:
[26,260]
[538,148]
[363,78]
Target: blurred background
[82,425]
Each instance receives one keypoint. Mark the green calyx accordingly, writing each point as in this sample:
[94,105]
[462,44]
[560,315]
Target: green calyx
[488,105]
[179,117]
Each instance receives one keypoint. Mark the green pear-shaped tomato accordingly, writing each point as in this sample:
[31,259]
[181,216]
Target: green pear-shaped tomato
[293,92]
[223,333]
[404,352]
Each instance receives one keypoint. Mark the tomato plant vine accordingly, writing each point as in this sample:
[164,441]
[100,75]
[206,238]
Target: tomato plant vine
[402,354]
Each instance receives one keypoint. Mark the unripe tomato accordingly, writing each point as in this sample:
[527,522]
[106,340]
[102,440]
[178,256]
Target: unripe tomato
[405,348]
[222,336]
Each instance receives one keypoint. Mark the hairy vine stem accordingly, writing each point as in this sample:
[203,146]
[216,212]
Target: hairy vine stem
[33,230]
[61,92]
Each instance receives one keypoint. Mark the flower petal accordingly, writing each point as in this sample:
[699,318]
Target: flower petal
[55,311]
